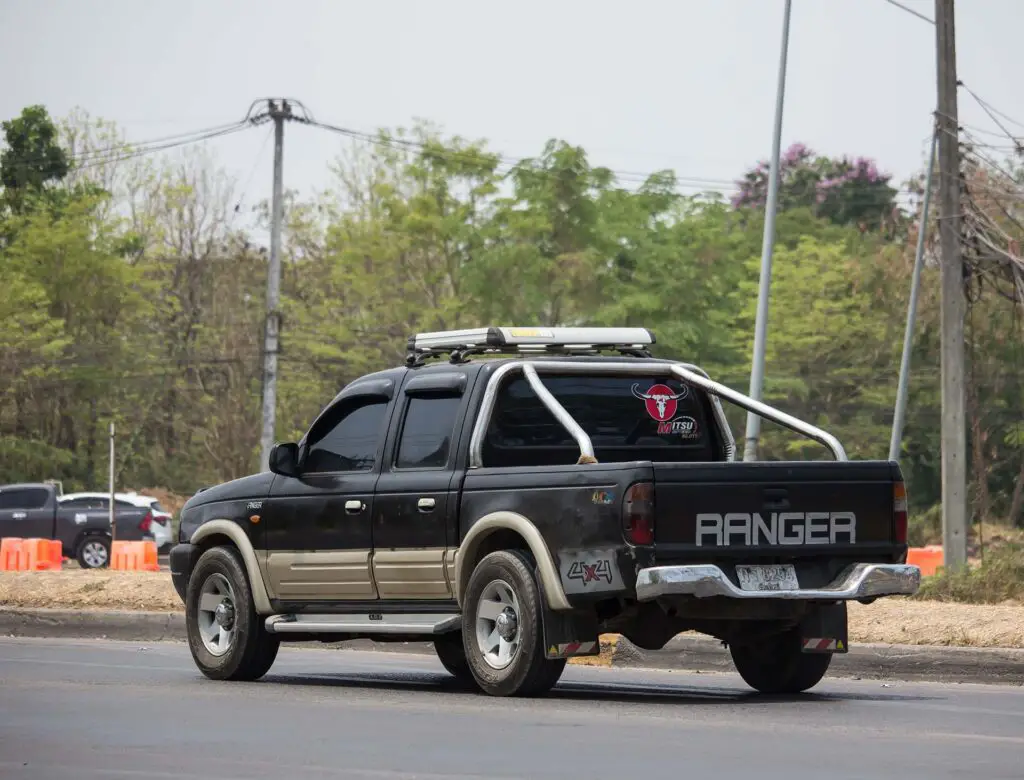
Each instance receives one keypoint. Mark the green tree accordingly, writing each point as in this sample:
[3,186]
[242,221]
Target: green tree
[33,157]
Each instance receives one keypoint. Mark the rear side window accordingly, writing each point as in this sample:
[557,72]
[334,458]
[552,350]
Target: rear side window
[83,503]
[627,418]
[427,432]
[23,498]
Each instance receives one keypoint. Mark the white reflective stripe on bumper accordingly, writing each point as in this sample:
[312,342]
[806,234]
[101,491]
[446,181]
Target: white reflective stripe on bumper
[858,581]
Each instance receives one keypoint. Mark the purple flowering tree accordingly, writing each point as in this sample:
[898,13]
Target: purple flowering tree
[845,191]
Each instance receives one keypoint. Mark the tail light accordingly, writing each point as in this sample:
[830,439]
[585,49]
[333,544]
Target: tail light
[147,522]
[161,519]
[899,512]
[638,513]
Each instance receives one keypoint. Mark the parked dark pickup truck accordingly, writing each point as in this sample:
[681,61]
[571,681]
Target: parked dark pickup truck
[80,523]
[511,493]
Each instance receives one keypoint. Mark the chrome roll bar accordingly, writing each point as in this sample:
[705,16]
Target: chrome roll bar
[688,373]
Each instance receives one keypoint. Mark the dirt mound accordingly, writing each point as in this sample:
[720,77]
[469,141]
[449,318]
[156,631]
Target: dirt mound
[89,589]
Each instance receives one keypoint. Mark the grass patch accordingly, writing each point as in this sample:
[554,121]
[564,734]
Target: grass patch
[999,578]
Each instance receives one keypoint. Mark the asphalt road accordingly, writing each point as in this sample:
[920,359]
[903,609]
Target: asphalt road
[91,709]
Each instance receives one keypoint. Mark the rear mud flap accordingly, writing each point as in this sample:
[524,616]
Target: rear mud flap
[825,630]
[568,634]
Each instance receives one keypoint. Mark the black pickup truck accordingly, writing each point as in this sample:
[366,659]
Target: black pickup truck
[511,493]
[34,511]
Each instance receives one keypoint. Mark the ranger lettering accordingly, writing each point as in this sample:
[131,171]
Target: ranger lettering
[782,528]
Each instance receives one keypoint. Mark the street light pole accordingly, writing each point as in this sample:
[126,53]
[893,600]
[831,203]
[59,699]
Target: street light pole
[767,246]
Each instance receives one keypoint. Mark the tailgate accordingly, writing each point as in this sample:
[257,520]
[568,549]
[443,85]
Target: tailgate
[776,510]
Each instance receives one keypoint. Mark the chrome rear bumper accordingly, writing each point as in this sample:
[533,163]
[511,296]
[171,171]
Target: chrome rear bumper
[858,581]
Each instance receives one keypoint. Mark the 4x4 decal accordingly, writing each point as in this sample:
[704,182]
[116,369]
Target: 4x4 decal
[587,571]
[591,572]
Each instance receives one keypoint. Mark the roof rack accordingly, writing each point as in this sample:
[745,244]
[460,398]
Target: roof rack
[460,344]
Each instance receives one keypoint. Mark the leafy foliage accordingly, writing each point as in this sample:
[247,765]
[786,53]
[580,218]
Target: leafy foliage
[33,156]
[130,295]
[843,191]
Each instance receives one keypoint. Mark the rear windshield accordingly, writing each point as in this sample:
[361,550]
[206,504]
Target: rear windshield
[627,418]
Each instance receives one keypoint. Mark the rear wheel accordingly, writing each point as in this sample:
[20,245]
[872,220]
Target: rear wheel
[502,631]
[777,665]
[227,638]
[94,552]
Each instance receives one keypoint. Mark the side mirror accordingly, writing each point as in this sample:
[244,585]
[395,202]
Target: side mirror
[284,459]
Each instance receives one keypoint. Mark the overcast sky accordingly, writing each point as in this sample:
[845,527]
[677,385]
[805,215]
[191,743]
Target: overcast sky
[642,85]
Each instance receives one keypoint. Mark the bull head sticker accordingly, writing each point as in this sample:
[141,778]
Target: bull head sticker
[660,401]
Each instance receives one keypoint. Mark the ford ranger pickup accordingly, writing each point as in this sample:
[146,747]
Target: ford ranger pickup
[509,494]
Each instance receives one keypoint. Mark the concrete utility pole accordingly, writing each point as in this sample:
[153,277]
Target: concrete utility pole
[767,247]
[954,432]
[279,111]
[908,335]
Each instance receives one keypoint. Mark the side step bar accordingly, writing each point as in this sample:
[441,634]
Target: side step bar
[370,623]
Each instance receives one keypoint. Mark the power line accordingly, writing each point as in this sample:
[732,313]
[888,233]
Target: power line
[162,148]
[128,146]
[918,14]
[991,111]
[128,149]
[502,160]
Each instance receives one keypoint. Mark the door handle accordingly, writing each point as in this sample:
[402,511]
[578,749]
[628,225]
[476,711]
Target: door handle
[425,504]
[19,515]
[354,507]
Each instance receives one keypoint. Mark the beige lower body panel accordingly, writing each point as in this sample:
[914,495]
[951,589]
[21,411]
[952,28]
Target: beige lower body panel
[322,576]
[412,574]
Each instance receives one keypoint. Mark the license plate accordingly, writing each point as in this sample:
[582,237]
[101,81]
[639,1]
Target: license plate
[769,577]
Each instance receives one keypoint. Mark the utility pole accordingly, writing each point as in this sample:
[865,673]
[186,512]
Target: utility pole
[278,111]
[767,247]
[954,433]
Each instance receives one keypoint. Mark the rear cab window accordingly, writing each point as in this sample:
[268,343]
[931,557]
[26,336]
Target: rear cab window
[24,498]
[627,418]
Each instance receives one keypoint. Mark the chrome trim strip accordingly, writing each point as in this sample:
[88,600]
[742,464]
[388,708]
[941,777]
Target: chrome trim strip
[687,372]
[858,581]
[362,624]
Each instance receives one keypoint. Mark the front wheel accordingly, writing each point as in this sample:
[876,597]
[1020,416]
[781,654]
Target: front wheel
[227,638]
[502,631]
[777,665]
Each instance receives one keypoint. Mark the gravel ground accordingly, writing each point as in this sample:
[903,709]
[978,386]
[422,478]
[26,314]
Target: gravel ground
[892,620]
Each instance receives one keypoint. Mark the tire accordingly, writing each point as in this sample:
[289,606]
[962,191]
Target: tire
[243,650]
[93,552]
[525,671]
[777,666]
[452,654]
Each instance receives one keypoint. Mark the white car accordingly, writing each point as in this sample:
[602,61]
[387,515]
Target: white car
[159,527]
